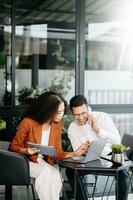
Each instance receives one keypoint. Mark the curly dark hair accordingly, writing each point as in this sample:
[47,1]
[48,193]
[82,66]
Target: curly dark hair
[45,106]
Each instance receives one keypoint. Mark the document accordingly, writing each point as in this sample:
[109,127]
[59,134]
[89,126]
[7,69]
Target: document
[44,150]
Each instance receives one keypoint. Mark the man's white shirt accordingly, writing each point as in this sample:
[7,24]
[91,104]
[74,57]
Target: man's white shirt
[79,134]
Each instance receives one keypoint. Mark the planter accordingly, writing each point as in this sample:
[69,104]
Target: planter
[118,158]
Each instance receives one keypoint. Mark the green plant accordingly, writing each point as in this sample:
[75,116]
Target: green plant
[60,84]
[26,95]
[2,59]
[6,99]
[2,124]
[119,148]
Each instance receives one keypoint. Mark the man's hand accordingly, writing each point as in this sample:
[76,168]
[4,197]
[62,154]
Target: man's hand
[93,122]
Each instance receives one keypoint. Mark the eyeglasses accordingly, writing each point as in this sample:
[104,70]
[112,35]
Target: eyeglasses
[83,114]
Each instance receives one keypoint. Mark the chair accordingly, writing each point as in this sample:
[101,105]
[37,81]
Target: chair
[4,145]
[127,140]
[14,171]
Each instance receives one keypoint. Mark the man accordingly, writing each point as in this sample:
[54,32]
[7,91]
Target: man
[88,126]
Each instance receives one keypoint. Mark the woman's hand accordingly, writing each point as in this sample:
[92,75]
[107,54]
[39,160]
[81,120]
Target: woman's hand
[31,151]
[80,151]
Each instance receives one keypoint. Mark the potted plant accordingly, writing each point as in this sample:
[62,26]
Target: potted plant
[118,153]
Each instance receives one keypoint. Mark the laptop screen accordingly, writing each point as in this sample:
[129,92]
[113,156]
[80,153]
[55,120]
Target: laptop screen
[94,152]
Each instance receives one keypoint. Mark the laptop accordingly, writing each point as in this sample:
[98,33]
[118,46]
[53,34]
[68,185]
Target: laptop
[94,152]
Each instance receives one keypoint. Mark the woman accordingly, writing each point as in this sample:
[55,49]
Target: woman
[42,125]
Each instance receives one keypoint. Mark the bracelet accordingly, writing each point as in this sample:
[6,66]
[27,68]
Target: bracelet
[27,151]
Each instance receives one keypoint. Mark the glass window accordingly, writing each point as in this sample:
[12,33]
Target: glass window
[45,48]
[123,122]
[109,53]
[5,53]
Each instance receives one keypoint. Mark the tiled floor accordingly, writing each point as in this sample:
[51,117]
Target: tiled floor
[130,197]
[19,193]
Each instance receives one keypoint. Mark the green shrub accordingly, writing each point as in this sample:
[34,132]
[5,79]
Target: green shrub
[119,148]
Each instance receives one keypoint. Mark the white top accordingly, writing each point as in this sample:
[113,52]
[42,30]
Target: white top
[79,134]
[45,137]
[44,141]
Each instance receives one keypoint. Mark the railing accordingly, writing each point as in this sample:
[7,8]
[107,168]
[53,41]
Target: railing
[122,116]
[110,96]
[118,103]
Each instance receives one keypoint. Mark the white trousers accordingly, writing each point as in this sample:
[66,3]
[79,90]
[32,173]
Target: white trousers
[48,182]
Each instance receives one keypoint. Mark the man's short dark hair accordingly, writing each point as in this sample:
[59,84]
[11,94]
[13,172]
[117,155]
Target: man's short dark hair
[78,100]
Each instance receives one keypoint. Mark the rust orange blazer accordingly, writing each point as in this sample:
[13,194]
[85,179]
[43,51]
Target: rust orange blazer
[31,131]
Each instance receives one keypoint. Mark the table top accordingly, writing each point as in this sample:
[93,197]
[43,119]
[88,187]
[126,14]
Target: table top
[96,165]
